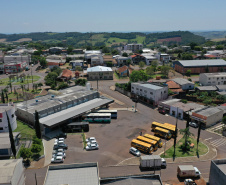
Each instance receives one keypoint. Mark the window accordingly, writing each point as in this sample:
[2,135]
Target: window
[141,90]
[151,92]
[0,120]
[137,89]
[164,91]
[132,87]
[1,128]
[145,91]
[12,115]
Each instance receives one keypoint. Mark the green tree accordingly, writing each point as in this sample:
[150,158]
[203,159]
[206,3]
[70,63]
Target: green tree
[186,134]
[150,70]
[141,65]
[57,70]
[179,55]
[36,140]
[165,70]
[68,59]
[51,78]
[207,101]
[13,147]
[188,72]
[43,62]
[199,131]
[224,122]
[125,55]
[3,97]
[37,126]
[154,64]
[70,49]
[207,69]
[36,148]
[78,68]
[187,56]
[25,153]
[193,44]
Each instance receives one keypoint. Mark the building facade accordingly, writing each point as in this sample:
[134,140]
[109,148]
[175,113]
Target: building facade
[184,83]
[17,59]
[133,47]
[10,109]
[100,73]
[152,93]
[212,79]
[217,172]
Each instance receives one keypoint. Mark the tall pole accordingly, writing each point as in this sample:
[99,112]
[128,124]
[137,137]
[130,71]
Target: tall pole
[97,84]
[175,138]
[31,76]
[165,146]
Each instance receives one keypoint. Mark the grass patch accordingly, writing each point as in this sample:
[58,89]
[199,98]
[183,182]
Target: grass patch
[5,81]
[180,153]
[24,130]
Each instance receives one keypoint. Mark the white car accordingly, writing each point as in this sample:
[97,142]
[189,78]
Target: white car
[92,147]
[58,150]
[197,172]
[91,140]
[58,159]
[189,182]
[59,154]
[57,141]
[134,151]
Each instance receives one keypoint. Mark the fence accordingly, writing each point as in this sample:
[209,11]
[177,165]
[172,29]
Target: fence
[123,91]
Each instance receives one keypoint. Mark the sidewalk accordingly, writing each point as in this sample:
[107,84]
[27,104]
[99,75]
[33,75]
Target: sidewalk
[48,150]
[124,109]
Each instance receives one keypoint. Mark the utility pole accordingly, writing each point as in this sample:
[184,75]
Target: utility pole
[175,138]
[165,146]
[31,76]
[97,84]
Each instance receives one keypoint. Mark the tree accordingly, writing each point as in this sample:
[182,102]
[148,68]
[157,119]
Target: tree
[70,49]
[186,134]
[36,140]
[57,70]
[13,148]
[43,62]
[193,44]
[78,68]
[25,153]
[51,78]
[187,56]
[68,59]
[136,76]
[141,65]
[7,98]
[150,70]
[3,97]
[199,131]
[179,55]
[36,148]
[188,72]
[37,126]
[154,64]
[10,85]
[165,70]
[125,55]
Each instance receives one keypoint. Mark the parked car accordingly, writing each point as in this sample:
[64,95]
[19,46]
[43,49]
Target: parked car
[94,146]
[56,142]
[59,154]
[58,150]
[58,159]
[189,182]
[62,135]
[91,140]
[193,124]
[162,111]
[134,151]
[62,145]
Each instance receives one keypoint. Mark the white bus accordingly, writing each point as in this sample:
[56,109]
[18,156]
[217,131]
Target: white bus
[98,118]
[114,113]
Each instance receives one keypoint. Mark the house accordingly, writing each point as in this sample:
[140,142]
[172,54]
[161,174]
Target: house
[12,172]
[217,172]
[52,64]
[149,58]
[17,59]
[216,53]
[137,58]
[179,109]
[66,75]
[167,104]
[184,83]
[76,56]
[96,60]
[91,53]
[76,63]
[174,87]
[109,59]
[208,56]
[186,48]
[121,61]
[207,116]
[10,110]
[163,57]
[78,51]
[200,66]
[123,71]
[221,88]
[100,73]
[56,50]
[212,79]
[133,47]
[56,59]
[151,93]
[15,67]
[206,88]
[5,145]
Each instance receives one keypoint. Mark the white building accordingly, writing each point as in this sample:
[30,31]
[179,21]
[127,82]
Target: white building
[10,109]
[163,57]
[216,53]
[133,47]
[12,172]
[150,92]
[97,60]
[17,59]
[210,79]
[184,83]
[149,58]
[75,63]
[100,73]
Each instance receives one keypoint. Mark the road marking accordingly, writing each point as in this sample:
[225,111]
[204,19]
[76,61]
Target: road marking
[218,142]
[208,138]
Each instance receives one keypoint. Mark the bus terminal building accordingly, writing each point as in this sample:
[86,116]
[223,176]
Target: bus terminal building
[59,108]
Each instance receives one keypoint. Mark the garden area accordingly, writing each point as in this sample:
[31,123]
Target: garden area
[180,152]
[20,80]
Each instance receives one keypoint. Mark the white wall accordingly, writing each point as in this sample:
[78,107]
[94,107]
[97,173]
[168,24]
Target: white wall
[180,111]
[12,119]
[214,118]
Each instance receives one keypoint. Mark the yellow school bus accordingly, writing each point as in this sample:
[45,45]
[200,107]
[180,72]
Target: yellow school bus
[154,138]
[142,146]
[150,141]
[155,124]
[164,133]
[167,126]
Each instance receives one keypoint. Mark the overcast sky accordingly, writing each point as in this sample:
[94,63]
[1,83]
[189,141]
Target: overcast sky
[111,15]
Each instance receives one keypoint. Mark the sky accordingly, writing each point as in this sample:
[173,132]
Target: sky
[24,16]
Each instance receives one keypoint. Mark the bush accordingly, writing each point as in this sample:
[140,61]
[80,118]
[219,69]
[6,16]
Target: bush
[184,101]
[62,85]
[25,153]
[185,147]
[36,148]
[37,141]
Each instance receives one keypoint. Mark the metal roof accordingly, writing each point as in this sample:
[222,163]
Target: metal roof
[202,63]
[206,88]
[77,174]
[186,167]
[149,86]
[98,69]
[182,81]
[208,111]
[223,74]
[63,115]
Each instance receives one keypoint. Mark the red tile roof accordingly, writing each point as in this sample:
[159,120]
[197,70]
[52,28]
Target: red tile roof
[135,55]
[66,73]
[210,56]
[122,69]
[223,104]
[173,85]
[53,64]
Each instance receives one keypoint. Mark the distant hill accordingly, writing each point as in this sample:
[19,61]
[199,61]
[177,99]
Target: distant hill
[212,34]
[109,39]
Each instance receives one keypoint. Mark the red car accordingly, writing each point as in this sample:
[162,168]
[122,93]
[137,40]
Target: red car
[162,111]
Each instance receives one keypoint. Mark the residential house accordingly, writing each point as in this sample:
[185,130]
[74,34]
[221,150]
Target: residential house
[96,60]
[151,93]
[66,75]
[121,61]
[210,79]
[75,63]
[166,105]
[56,59]
[184,83]
[174,87]
[12,172]
[5,145]
[52,64]
[221,88]
[208,89]
[78,51]
[123,71]
[207,116]
[109,59]
[137,58]
[179,109]
[56,50]
[200,66]
[91,53]
[100,73]
[163,57]
[10,110]
[149,58]
[186,48]
[76,56]
[133,47]
[216,53]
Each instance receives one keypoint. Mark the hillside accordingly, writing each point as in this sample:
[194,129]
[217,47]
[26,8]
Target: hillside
[109,39]
[216,35]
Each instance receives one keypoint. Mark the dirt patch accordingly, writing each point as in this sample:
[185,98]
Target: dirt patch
[135,132]
[37,164]
[24,40]
[2,40]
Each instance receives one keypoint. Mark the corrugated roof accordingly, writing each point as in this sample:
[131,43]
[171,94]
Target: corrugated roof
[206,88]
[202,63]
[98,69]
[182,81]
[67,73]
[151,86]
[173,85]
[122,69]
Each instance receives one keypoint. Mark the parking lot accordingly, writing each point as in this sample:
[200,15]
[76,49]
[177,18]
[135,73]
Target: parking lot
[114,140]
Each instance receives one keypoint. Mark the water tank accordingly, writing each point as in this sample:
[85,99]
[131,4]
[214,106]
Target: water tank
[88,86]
